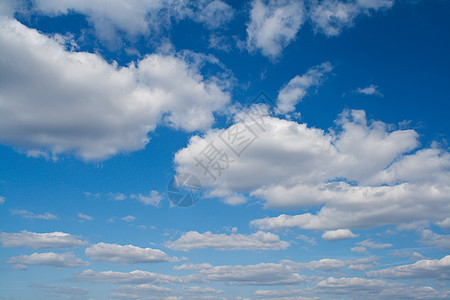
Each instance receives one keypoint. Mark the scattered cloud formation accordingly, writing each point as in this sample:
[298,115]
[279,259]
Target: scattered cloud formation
[127,254]
[223,242]
[426,268]
[40,240]
[332,17]
[273,25]
[106,109]
[2,199]
[60,290]
[49,259]
[297,88]
[428,237]
[337,235]
[362,173]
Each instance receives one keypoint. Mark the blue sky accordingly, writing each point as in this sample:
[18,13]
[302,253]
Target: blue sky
[336,189]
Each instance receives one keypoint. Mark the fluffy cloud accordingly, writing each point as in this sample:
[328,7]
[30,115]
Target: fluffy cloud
[40,240]
[297,88]
[65,260]
[144,289]
[193,267]
[329,264]
[374,245]
[260,274]
[331,17]
[153,198]
[337,235]
[84,106]
[370,90]
[127,254]
[256,241]
[136,276]
[273,25]
[138,17]
[361,174]
[427,237]
[435,268]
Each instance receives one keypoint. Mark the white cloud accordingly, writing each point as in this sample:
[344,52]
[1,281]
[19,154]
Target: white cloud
[127,254]
[434,268]
[153,198]
[337,235]
[135,276]
[427,237]
[128,218]
[297,88]
[201,290]
[273,25]
[30,215]
[445,224]
[91,108]
[259,274]
[374,245]
[2,199]
[114,20]
[359,249]
[255,241]
[117,196]
[361,174]
[330,264]
[84,217]
[370,90]
[49,259]
[331,17]
[40,240]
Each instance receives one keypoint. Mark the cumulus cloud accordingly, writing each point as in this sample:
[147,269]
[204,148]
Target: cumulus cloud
[153,198]
[90,108]
[115,20]
[127,254]
[331,17]
[370,90]
[297,88]
[273,25]
[201,290]
[330,264]
[65,260]
[255,241]
[337,235]
[193,267]
[259,274]
[31,215]
[426,268]
[428,237]
[135,276]
[40,240]
[361,173]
